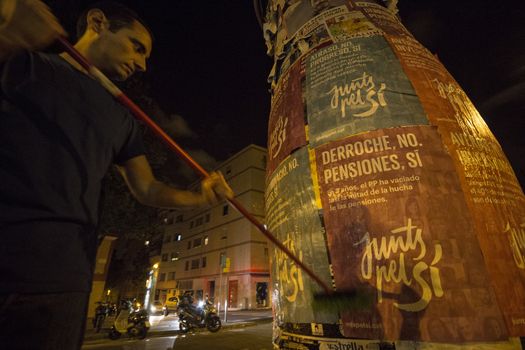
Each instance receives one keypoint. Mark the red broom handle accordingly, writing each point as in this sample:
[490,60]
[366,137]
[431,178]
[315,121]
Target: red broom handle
[141,115]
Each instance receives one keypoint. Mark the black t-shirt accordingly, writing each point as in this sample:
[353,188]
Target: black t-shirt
[60,131]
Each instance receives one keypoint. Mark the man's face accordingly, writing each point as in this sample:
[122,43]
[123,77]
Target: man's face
[120,54]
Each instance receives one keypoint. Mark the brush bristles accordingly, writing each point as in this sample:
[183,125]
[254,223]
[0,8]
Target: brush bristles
[353,300]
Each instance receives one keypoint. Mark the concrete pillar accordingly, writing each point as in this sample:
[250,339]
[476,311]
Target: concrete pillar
[383,176]
[101,271]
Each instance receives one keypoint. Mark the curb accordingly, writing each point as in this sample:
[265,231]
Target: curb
[103,335]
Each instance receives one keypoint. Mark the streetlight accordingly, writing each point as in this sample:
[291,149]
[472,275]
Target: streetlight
[150,282]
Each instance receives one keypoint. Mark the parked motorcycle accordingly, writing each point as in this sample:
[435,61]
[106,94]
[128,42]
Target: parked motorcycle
[134,323]
[204,315]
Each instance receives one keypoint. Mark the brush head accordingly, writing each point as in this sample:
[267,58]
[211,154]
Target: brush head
[341,301]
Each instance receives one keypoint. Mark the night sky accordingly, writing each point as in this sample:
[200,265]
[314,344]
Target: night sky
[209,66]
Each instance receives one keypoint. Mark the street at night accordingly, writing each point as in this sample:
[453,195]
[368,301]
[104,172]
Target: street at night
[262,174]
[256,336]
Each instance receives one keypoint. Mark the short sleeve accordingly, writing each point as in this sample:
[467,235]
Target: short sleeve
[14,71]
[133,146]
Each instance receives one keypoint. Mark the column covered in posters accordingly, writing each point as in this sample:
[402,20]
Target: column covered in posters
[383,176]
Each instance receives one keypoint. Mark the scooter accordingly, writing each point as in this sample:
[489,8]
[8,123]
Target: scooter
[134,323]
[204,315]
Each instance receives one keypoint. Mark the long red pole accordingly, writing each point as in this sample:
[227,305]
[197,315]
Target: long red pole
[141,115]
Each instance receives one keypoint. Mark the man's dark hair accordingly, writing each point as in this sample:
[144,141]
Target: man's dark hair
[118,15]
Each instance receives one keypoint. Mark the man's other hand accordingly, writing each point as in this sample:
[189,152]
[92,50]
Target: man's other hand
[26,24]
[214,188]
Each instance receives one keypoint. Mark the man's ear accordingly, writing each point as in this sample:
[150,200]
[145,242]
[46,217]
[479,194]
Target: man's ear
[96,20]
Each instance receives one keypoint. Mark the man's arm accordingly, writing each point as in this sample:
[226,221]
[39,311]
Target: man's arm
[149,191]
[26,24]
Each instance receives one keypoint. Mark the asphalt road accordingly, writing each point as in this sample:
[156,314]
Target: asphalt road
[254,337]
[170,323]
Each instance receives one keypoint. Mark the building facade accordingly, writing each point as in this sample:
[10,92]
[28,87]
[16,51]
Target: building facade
[215,251]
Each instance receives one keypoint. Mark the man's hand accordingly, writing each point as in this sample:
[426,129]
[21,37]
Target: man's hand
[26,24]
[214,188]
[149,191]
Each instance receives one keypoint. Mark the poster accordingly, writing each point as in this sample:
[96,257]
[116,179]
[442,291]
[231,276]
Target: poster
[286,127]
[293,218]
[294,341]
[355,86]
[383,18]
[302,46]
[350,25]
[397,226]
[498,206]
[493,194]
[299,28]
[310,35]
[298,13]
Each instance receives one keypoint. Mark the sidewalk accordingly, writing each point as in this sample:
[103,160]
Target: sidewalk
[169,325]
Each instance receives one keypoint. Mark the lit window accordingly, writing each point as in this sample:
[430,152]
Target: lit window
[205,240]
[178,237]
[174,256]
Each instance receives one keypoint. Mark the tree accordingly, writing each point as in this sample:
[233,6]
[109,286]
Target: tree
[121,215]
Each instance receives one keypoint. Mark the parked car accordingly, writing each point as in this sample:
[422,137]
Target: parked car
[156,308]
[171,305]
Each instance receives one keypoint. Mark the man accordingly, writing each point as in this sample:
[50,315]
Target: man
[186,302]
[60,131]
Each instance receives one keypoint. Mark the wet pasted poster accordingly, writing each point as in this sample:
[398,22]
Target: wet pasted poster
[397,226]
[293,218]
[499,212]
[498,206]
[494,196]
[355,86]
